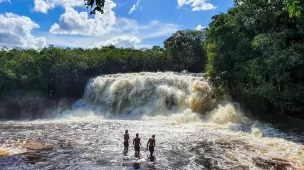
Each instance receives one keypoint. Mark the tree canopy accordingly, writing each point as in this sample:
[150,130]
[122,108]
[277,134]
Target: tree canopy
[99,5]
[256,51]
[186,50]
[61,72]
[295,7]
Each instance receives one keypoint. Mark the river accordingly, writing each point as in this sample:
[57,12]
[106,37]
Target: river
[193,131]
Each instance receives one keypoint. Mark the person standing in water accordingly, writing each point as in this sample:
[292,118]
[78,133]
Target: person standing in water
[151,145]
[136,143]
[126,141]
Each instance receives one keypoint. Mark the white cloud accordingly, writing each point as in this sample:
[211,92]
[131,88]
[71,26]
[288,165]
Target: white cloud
[5,1]
[124,33]
[94,42]
[15,31]
[199,27]
[79,23]
[120,41]
[153,29]
[67,3]
[73,22]
[197,5]
[158,29]
[69,40]
[134,7]
[44,5]
[105,28]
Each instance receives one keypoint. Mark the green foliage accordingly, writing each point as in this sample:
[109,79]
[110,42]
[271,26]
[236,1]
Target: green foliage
[99,5]
[256,50]
[186,50]
[294,7]
[61,72]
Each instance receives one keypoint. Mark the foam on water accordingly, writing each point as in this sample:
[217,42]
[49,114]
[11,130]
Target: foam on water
[171,97]
[8,148]
[149,94]
[176,118]
[79,114]
[193,131]
[227,114]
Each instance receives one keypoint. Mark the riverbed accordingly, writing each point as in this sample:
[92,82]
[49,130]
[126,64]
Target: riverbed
[98,144]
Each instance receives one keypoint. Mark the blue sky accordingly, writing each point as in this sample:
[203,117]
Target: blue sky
[125,23]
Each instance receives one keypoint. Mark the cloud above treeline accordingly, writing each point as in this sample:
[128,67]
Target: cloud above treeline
[134,7]
[89,31]
[109,29]
[196,5]
[16,30]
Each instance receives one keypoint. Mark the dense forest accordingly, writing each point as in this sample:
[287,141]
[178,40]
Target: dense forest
[59,72]
[254,51]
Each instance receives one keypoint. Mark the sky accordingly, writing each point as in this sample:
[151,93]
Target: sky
[125,23]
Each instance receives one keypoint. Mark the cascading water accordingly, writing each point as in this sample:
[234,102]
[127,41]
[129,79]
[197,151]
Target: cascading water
[192,130]
[149,94]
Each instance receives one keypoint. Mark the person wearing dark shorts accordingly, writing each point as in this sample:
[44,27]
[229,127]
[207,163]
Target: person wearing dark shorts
[151,145]
[136,143]
[126,141]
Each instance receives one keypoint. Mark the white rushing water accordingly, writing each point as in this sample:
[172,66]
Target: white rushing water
[193,131]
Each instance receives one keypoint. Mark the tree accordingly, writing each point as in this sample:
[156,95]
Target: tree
[186,50]
[255,50]
[295,7]
[99,5]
